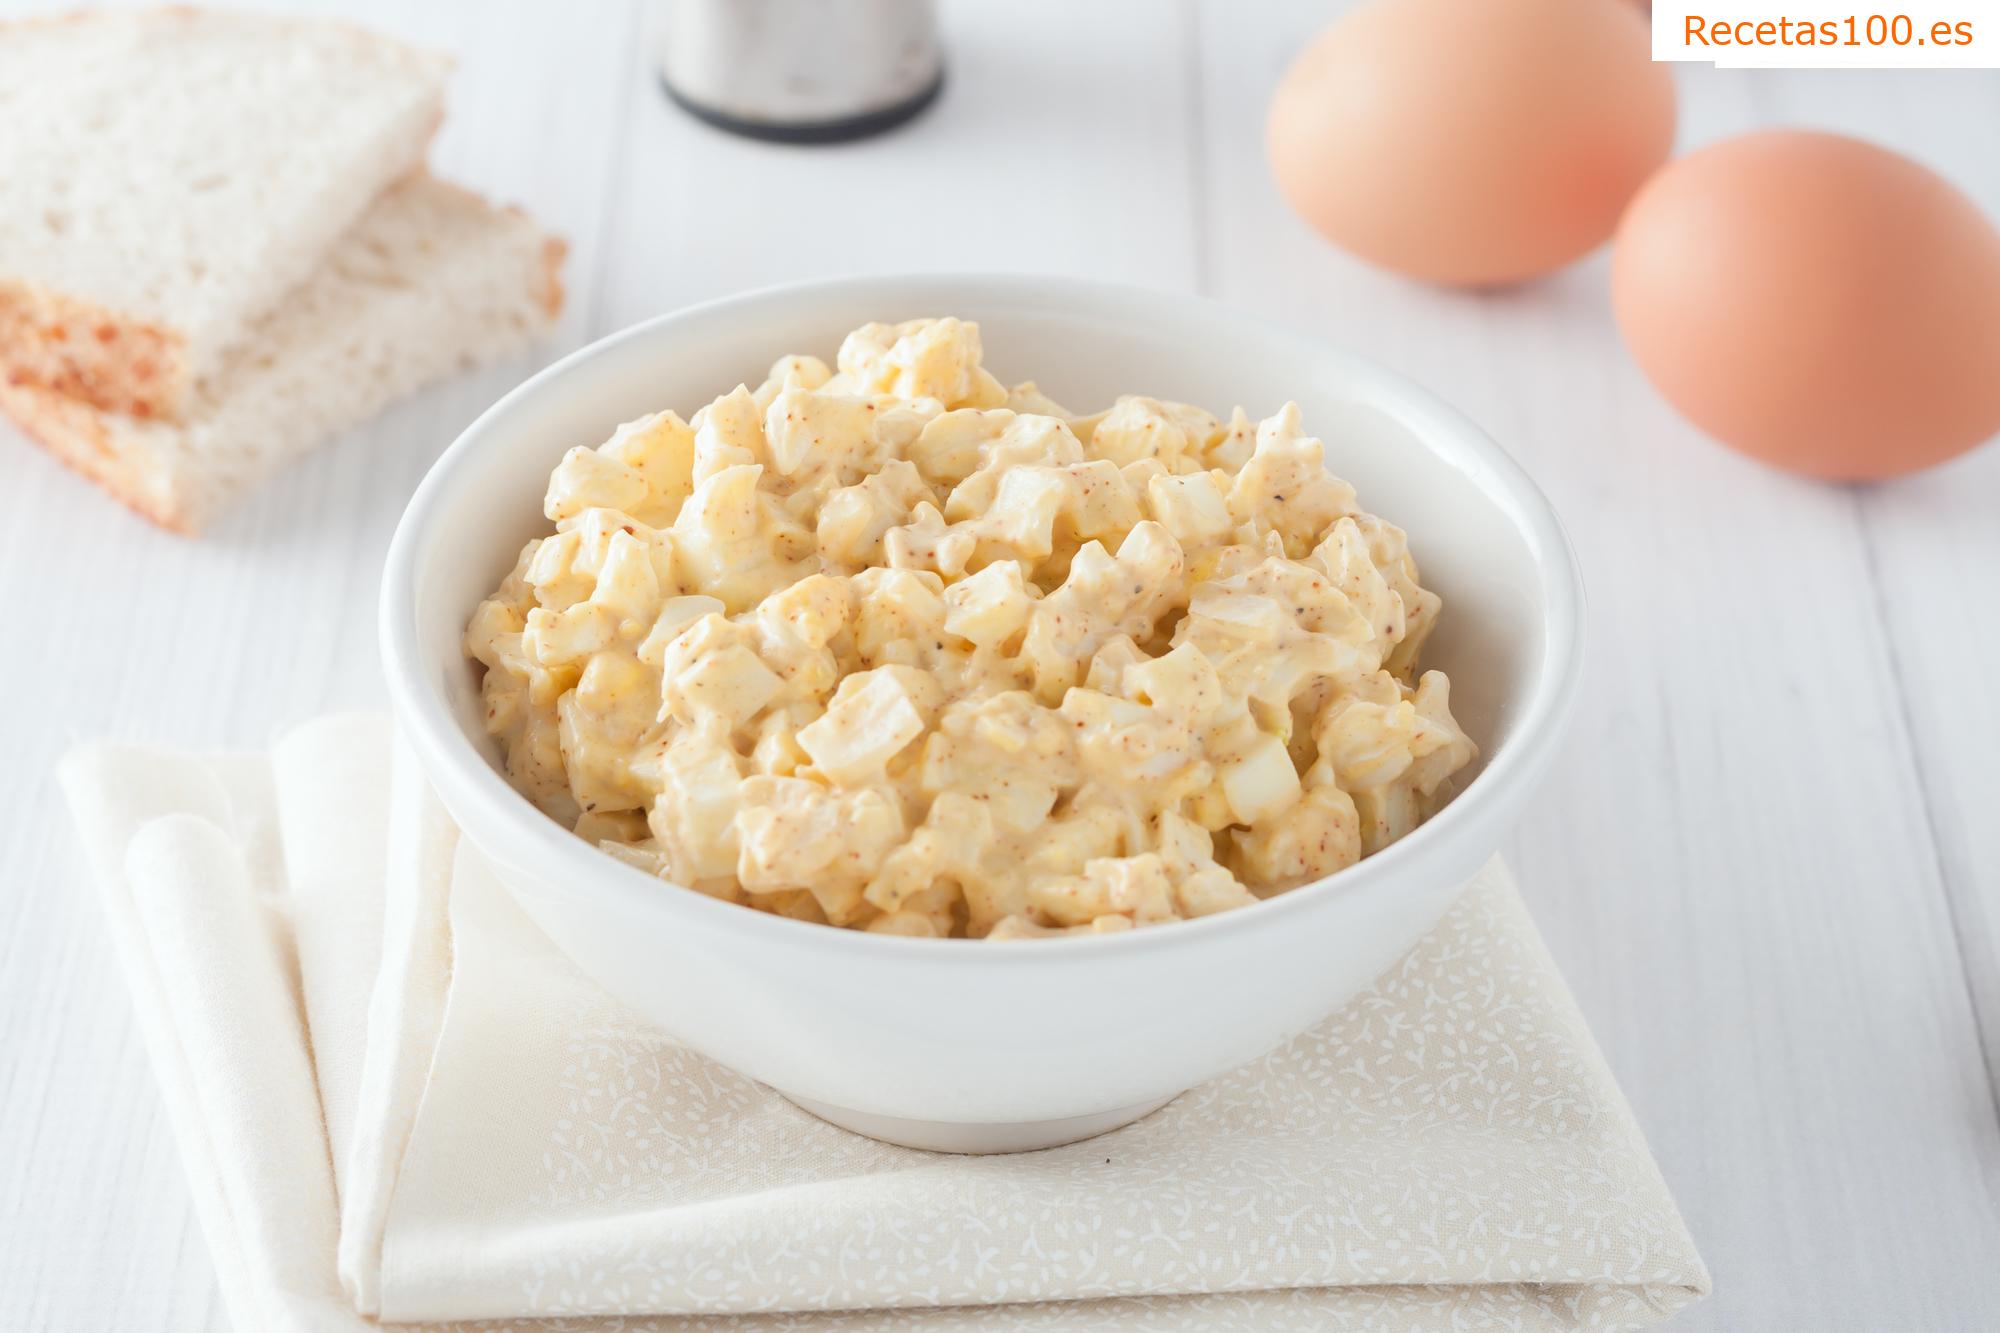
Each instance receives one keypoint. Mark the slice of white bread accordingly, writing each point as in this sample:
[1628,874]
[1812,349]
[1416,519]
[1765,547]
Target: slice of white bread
[170,174]
[432,279]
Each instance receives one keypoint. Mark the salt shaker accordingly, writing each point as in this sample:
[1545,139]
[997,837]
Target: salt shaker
[801,71]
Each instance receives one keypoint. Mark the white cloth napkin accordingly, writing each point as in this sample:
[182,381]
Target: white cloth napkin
[396,1099]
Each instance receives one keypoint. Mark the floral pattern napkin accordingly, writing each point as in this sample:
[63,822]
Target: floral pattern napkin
[397,1099]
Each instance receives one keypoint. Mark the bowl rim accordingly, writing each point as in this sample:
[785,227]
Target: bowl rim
[497,816]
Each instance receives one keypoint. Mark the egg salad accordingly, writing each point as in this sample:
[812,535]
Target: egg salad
[890,646]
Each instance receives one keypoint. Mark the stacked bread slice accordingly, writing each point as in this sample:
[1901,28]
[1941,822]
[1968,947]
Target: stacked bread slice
[219,247]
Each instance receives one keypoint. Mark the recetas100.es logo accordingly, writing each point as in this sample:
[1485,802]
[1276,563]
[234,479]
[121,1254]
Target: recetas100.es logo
[1850,30]
[1750,34]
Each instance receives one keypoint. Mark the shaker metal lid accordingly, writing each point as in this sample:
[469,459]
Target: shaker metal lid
[801,71]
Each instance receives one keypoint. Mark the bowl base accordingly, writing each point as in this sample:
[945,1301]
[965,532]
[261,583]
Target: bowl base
[946,1136]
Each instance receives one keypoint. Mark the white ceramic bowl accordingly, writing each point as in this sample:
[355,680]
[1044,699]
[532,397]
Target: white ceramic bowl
[964,1045]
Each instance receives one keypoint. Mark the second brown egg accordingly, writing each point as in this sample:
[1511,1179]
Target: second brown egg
[1472,142]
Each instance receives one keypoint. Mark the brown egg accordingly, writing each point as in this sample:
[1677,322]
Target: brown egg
[1816,302]
[1472,141]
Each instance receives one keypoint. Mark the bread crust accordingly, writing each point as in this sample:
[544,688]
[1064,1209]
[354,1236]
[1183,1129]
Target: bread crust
[92,354]
[554,251]
[76,434]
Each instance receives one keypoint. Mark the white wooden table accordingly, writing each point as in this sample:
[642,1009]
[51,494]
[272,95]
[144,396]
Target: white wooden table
[1769,862]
